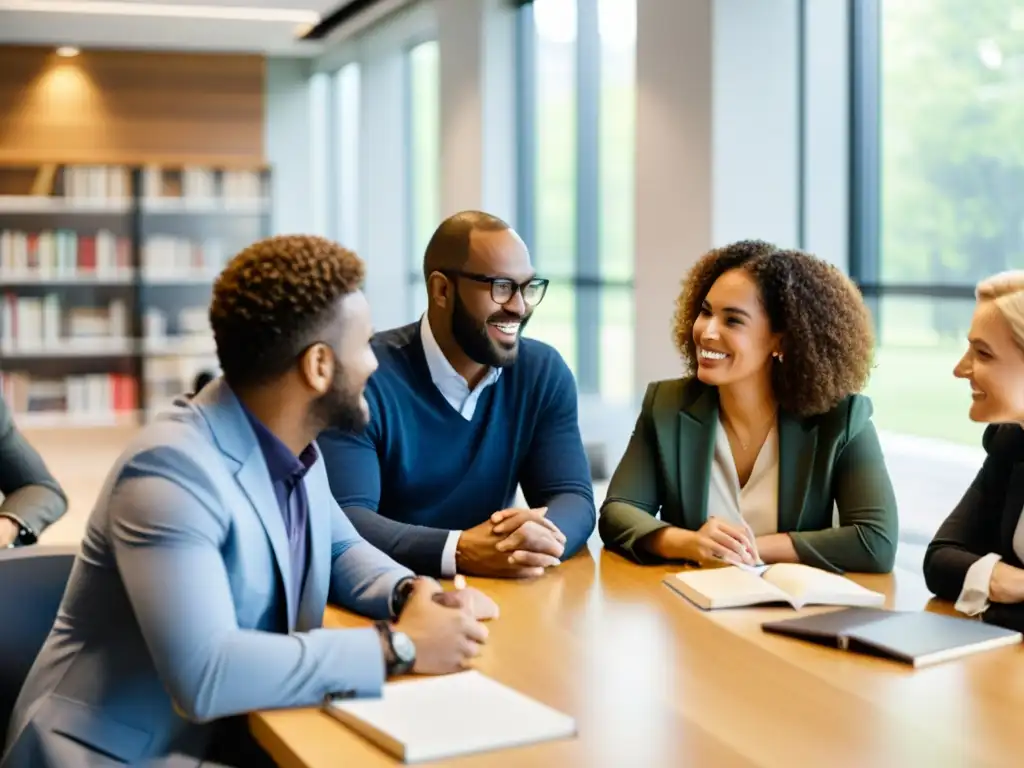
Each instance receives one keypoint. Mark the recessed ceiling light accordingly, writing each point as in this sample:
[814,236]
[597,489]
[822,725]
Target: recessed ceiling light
[67,51]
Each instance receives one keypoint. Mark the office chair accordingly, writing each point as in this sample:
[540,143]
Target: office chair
[33,581]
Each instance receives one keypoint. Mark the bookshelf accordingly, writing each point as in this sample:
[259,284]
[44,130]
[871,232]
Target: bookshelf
[105,280]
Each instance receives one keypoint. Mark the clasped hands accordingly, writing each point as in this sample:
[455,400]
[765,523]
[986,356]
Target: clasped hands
[513,543]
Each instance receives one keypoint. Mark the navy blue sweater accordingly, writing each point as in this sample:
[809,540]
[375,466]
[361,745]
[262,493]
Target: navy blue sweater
[420,469]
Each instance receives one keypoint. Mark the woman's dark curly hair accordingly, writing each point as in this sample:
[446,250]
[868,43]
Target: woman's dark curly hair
[827,337]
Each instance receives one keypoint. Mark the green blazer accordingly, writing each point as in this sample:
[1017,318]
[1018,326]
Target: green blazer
[834,458]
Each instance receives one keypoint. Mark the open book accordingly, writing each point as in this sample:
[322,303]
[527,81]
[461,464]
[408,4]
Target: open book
[915,638]
[798,585]
[436,718]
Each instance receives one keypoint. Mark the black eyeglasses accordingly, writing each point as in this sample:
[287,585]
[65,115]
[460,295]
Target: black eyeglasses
[504,288]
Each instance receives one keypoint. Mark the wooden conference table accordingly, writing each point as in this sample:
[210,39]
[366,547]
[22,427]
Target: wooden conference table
[653,681]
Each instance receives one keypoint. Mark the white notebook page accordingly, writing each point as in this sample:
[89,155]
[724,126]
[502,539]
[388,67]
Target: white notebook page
[437,717]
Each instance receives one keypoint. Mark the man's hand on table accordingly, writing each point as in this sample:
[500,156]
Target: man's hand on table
[516,543]
[447,637]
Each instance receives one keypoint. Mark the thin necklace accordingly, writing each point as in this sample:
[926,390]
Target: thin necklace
[731,428]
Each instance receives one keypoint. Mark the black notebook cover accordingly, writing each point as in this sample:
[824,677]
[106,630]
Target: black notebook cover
[916,638]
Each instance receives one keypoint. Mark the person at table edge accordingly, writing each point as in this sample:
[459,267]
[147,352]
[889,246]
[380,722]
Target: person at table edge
[977,555]
[746,460]
[200,588]
[463,410]
[32,498]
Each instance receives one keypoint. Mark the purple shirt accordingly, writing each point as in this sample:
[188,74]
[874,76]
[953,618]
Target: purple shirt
[286,475]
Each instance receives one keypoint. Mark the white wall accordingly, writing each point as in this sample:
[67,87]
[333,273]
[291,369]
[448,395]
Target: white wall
[383,208]
[827,131]
[756,120]
[476,39]
[718,146]
[289,147]
[673,169]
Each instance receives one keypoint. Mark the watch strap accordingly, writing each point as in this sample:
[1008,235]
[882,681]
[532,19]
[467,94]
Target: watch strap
[400,595]
[26,535]
[393,665]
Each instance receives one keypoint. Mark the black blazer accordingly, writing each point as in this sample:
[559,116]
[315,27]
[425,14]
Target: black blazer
[984,521]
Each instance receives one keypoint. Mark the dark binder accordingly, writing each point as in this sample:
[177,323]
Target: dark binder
[917,638]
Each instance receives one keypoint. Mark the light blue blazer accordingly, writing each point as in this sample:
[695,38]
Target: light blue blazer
[175,609]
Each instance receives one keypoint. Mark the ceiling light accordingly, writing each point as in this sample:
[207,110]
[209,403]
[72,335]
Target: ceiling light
[67,51]
[164,10]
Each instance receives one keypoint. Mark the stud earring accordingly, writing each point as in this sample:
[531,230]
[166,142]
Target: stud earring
[777,356]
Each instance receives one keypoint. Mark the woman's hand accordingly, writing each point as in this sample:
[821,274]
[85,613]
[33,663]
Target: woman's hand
[718,542]
[1006,584]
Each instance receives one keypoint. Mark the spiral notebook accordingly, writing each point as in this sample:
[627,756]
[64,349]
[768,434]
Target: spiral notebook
[435,718]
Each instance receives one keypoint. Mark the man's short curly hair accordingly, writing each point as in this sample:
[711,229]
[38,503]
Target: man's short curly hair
[276,298]
[827,338]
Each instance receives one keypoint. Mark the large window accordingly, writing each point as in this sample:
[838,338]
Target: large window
[554,193]
[346,120]
[617,172]
[424,181]
[577,106]
[940,97]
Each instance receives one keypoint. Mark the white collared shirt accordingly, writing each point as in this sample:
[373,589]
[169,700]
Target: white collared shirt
[974,597]
[448,381]
[456,391]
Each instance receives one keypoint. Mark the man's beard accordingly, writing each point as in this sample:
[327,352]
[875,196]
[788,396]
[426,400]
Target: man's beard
[339,408]
[473,339]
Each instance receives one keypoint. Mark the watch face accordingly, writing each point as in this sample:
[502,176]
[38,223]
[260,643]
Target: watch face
[404,648]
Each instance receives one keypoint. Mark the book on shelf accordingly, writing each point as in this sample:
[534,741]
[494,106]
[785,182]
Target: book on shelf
[167,377]
[96,182]
[59,188]
[41,324]
[200,188]
[917,638]
[51,254]
[191,329]
[792,584]
[167,257]
[438,718]
[75,396]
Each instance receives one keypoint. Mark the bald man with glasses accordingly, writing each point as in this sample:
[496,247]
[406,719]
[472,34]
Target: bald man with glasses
[465,410]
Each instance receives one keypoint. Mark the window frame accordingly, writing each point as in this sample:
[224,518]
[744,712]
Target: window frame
[866,180]
[414,254]
[587,278]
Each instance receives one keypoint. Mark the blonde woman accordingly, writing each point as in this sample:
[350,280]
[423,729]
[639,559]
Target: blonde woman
[976,555]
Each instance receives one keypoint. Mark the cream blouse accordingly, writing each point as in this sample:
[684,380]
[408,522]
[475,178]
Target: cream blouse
[757,502]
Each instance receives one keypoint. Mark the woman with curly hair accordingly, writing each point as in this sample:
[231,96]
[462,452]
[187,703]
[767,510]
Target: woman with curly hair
[747,455]
[977,555]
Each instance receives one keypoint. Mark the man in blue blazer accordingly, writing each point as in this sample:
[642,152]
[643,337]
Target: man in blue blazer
[215,545]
